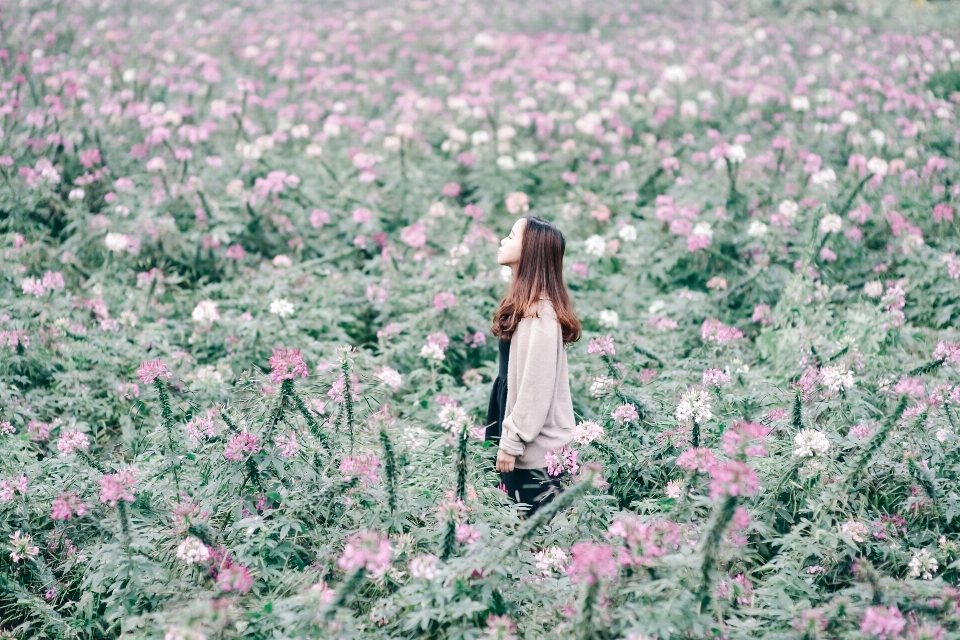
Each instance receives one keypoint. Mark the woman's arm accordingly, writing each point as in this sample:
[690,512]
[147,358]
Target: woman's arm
[537,360]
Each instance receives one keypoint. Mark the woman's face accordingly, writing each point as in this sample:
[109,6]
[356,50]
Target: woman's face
[509,252]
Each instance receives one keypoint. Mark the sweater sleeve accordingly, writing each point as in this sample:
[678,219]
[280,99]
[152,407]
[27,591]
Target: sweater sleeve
[537,355]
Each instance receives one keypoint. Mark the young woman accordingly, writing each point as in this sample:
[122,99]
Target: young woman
[530,412]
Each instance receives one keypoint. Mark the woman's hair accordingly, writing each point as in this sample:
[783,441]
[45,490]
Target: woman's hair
[539,273]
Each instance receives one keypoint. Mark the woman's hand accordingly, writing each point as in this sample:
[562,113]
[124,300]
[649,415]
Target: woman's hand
[505,461]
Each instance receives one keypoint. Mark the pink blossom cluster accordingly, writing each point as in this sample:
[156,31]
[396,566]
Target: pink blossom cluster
[241,446]
[948,352]
[439,339]
[40,430]
[625,413]
[882,622]
[67,505]
[762,314]
[662,324]
[444,300]
[367,550]
[602,346]
[71,441]
[117,486]
[9,488]
[200,429]
[745,438]
[644,540]
[700,459]
[713,330]
[287,444]
[51,281]
[273,184]
[338,389]
[591,563]
[912,387]
[150,370]
[287,364]
[14,339]
[229,575]
[363,466]
[740,589]
[733,478]
[564,459]
[466,534]
[715,378]
[861,431]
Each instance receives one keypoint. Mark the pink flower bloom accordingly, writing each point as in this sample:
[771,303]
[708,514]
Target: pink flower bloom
[733,478]
[625,413]
[861,431]
[467,534]
[151,370]
[53,280]
[235,252]
[761,314]
[116,487]
[579,269]
[602,346]
[234,577]
[473,211]
[564,459]
[363,466]
[439,338]
[911,387]
[361,215]
[287,445]
[700,459]
[450,190]
[948,352]
[444,300]
[715,378]
[713,330]
[943,212]
[591,562]
[200,429]
[66,505]
[338,389]
[414,235]
[9,488]
[570,177]
[318,218]
[70,441]
[746,437]
[366,550]
[882,622]
[696,242]
[500,628]
[644,540]
[287,364]
[241,446]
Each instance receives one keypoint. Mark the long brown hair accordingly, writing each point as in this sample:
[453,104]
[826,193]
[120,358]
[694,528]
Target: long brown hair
[539,273]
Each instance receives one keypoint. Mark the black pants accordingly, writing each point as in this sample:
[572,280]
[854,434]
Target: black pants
[532,487]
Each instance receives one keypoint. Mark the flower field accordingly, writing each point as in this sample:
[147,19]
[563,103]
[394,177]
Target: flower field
[248,274]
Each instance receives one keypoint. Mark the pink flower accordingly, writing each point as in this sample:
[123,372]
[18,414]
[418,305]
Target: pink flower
[70,441]
[318,218]
[467,534]
[579,269]
[234,577]
[745,437]
[713,330]
[733,478]
[151,370]
[700,459]
[363,467]
[116,487]
[444,300]
[625,413]
[603,346]
[241,446]
[200,429]
[882,622]
[366,550]
[715,378]
[338,389]
[53,280]
[235,252]
[591,562]
[697,241]
[287,445]
[66,505]
[500,627]
[9,488]
[414,235]
[564,459]
[450,190]
[943,212]
[473,211]
[361,215]
[644,540]
[761,314]
[287,364]
[861,431]
[948,352]
[911,387]
[570,177]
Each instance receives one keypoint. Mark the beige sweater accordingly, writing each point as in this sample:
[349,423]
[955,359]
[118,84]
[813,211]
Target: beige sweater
[539,412]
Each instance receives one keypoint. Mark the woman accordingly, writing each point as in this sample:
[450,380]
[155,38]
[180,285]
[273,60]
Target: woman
[530,412]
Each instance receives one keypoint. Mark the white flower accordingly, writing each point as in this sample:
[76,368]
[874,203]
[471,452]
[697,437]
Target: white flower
[656,307]
[757,229]
[831,223]
[877,166]
[424,566]
[479,137]
[836,378]
[823,177]
[675,74]
[506,163]
[601,386]
[943,435]
[810,443]
[873,289]
[453,418]
[922,565]
[281,307]
[694,406]
[313,150]
[595,245]
[912,242]
[193,551]
[526,157]
[76,194]
[736,154]
[588,124]
[788,208]
[674,489]
[609,318]
[800,103]
[627,233]
[879,137]
[205,313]
[552,559]
[389,377]
[116,242]
[431,351]
[586,432]
[702,229]
[849,118]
